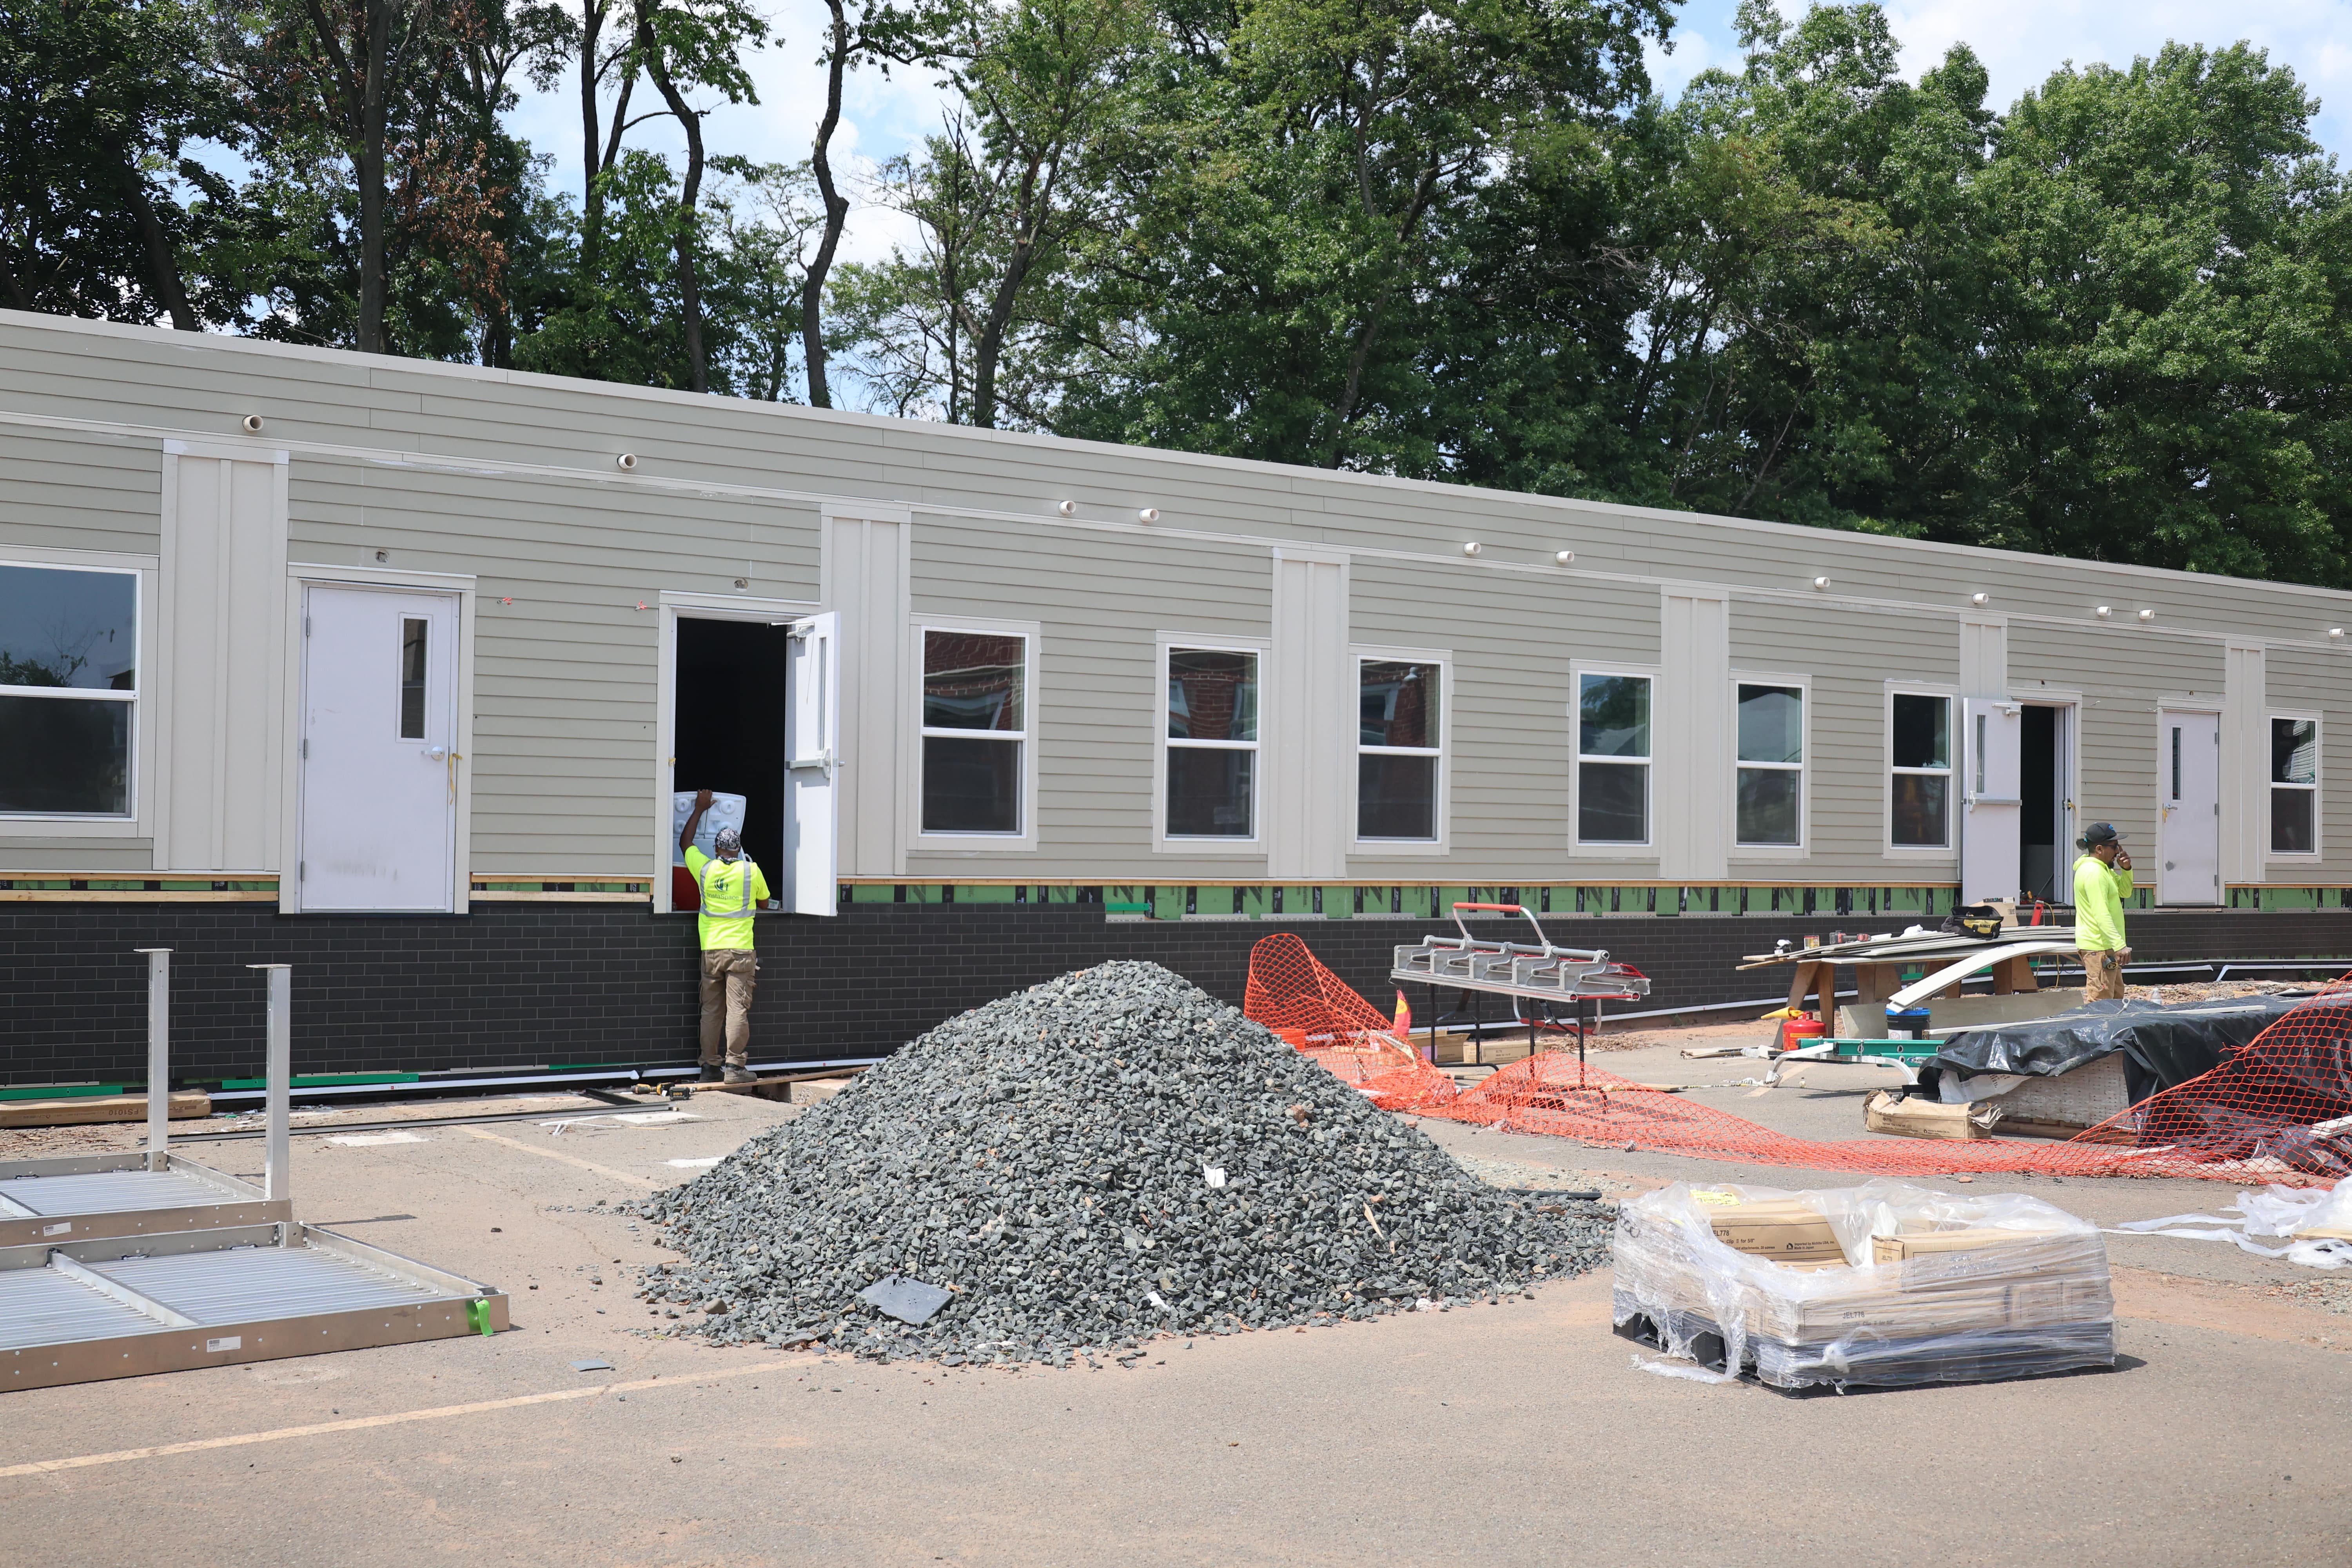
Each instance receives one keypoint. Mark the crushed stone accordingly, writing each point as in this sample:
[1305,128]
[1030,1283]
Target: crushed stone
[1047,1159]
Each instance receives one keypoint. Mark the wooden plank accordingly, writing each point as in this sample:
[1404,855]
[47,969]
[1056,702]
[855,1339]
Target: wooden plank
[185,1104]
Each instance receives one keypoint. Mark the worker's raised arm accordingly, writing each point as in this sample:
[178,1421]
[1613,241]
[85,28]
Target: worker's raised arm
[693,820]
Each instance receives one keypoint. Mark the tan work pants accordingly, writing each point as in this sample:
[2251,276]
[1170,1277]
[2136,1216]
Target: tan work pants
[2102,974]
[729,974]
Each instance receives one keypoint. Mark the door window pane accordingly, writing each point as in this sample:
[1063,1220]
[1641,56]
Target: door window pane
[2294,751]
[1397,704]
[972,680]
[1767,805]
[1919,819]
[1613,716]
[1612,804]
[970,785]
[1208,792]
[1396,796]
[59,755]
[1771,724]
[66,629]
[1923,737]
[412,679]
[1212,696]
[2292,829]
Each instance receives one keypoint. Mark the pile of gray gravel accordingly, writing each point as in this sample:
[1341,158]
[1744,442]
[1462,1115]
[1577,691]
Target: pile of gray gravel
[1108,1156]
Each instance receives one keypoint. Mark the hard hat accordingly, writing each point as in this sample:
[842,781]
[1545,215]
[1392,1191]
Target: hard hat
[726,843]
[2100,833]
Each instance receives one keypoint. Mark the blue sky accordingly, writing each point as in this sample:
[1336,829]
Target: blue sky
[2020,42]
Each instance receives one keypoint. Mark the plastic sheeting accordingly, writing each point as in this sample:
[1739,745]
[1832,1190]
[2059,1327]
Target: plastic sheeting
[2163,1044]
[2036,1303]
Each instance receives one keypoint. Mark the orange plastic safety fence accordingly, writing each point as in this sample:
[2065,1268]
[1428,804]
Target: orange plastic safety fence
[2279,1110]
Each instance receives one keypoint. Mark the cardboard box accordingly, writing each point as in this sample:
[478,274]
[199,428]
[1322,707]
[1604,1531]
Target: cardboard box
[1923,1243]
[1884,1111]
[1784,1231]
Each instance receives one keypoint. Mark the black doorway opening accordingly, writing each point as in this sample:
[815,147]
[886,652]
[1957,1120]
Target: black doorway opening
[729,729]
[2040,817]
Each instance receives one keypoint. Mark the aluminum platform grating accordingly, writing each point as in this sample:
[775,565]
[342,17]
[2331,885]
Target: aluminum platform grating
[108,1192]
[42,1307]
[251,1284]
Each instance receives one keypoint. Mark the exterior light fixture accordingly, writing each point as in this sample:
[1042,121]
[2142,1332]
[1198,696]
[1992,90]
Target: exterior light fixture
[2148,614]
[627,462]
[250,423]
[1148,514]
[1565,557]
[2103,611]
[1820,583]
[1980,598]
[1472,548]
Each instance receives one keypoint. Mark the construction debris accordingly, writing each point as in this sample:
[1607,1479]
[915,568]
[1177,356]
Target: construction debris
[1047,1160]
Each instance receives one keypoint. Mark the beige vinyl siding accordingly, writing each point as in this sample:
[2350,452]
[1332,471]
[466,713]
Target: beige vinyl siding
[2125,673]
[1850,655]
[65,490]
[1513,638]
[1100,601]
[566,676]
[2318,681]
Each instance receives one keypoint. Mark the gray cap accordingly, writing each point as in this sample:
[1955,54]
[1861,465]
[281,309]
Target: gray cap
[2100,833]
[727,843]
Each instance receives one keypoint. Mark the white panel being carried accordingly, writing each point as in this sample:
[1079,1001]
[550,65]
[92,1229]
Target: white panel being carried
[813,767]
[1992,804]
[378,798]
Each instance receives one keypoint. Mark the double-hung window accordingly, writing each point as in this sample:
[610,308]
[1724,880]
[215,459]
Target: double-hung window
[1396,751]
[1920,748]
[1211,739]
[1771,790]
[1613,758]
[68,689]
[2294,786]
[975,728]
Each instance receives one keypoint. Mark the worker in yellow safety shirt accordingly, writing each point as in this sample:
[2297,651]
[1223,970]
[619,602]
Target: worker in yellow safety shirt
[732,889]
[2102,877]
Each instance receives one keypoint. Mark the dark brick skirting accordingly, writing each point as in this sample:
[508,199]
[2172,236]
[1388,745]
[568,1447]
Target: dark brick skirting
[530,985]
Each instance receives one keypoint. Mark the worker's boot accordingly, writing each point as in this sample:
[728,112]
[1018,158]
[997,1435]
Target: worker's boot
[740,1075]
[709,1072]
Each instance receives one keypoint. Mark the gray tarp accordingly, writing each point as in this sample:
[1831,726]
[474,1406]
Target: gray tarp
[2162,1045]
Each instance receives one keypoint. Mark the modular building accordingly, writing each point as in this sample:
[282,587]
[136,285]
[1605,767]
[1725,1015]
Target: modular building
[392,671]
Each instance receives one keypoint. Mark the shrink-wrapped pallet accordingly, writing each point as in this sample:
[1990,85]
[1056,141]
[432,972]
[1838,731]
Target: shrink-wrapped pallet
[1881,1284]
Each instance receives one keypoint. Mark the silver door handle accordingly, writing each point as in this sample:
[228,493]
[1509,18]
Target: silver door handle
[436,753]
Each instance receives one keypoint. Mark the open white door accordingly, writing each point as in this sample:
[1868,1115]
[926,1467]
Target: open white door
[1992,841]
[813,766]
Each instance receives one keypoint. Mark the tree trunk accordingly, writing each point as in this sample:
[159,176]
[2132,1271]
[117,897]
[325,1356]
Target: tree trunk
[836,213]
[374,107]
[162,260]
[592,206]
[689,286]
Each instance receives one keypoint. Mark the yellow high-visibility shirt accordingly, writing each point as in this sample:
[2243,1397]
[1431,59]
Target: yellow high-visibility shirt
[733,889]
[2099,891]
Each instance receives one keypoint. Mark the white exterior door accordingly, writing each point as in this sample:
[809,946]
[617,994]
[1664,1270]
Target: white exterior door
[2189,766]
[379,791]
[1992,842]
[813,767]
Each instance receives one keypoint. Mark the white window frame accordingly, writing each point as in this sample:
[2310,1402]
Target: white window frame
[1358,655]
[1618,849]
[142,700]
[1162,842]
[1025,841]
[1948,853]
[2318,724]
[1740,850]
